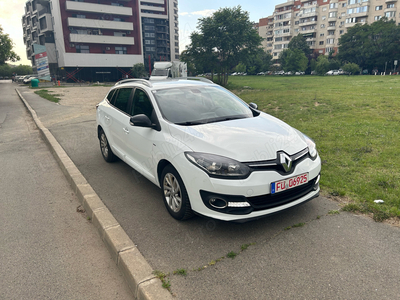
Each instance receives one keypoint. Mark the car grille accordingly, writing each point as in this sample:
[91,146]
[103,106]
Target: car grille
[274,200]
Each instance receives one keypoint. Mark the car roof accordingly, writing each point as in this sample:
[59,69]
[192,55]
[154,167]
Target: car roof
[168,83]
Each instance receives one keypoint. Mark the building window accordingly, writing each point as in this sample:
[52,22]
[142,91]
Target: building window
[120,50]
[330,41]
[377,18]
[149,28]
[82,49]
[390,14]
[390,5]
[321,42]
[379,7]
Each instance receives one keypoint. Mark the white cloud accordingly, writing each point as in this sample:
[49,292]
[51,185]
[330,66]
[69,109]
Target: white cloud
[201,13]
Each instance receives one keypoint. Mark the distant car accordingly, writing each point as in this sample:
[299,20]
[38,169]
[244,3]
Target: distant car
[332,72]
[210,152]
[29,79]
[1,77]
[261,73]
[21,78]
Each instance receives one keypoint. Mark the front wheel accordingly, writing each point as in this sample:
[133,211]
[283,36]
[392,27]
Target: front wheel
[175,196]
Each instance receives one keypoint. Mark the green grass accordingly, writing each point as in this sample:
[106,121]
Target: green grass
[45,94]
[355,121]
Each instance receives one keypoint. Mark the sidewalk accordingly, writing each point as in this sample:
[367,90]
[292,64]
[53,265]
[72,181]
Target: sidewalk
[48,250]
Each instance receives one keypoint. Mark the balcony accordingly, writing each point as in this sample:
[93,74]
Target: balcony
[308,15]
[152,8]
[98,8]
[154,15]
[287,3]
[155,1]
[45,23]
[101,39]
[308,31]
[284,34]
[101,24]
[308,23]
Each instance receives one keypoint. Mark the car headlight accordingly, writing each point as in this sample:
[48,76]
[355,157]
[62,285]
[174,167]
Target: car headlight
[218,166]
[312,148]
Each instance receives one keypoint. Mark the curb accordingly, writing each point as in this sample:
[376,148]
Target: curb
[131,263]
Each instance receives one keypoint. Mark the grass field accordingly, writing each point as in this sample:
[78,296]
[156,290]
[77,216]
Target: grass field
[355,121]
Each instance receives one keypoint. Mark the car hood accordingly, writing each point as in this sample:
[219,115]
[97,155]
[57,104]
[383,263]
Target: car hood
[245,140]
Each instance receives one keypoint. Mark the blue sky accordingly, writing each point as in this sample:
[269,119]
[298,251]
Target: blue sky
[189,11]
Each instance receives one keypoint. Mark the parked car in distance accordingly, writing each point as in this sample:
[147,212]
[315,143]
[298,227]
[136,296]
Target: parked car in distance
[29,79]
[210,152]
[332,72]
[1,78]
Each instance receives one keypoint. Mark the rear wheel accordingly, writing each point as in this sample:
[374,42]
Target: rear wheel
[175,196]
[105,148]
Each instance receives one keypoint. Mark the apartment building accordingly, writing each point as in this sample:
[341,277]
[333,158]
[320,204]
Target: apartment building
[322,22]
[101,40]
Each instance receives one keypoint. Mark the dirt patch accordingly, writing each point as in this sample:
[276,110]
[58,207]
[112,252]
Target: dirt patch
[85,98]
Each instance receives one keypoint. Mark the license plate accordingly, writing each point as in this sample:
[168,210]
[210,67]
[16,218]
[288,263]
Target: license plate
[283,185]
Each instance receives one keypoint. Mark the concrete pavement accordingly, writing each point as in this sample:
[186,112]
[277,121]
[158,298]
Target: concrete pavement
[327,256]
[48,250]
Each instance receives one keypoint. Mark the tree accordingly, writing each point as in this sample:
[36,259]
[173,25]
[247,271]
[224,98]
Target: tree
[299,42]
[334,64]
[294,60]
[223,40]
[6,52]
[351,68]
[322,65]
[313,64]
[240,68]
[260,61]
[139,71]
[371,46]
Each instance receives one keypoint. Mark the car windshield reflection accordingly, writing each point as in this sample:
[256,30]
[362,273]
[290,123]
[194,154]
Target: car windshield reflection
[200,105]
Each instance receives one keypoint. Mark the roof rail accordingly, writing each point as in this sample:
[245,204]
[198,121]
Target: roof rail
[195,78]
[138,80]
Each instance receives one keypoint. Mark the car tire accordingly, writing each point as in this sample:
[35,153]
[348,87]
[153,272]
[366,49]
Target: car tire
[105,148]
[174,193]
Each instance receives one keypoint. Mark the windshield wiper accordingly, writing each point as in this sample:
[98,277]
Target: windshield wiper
[190,123]
[226,119]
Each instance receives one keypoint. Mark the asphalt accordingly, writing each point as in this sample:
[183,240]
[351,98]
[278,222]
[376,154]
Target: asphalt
[304,253]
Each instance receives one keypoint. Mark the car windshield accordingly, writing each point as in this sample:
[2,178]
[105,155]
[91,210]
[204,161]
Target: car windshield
[200,105]
[159,72]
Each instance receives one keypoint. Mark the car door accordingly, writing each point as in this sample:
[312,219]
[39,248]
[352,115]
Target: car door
[118,119]
[141,139]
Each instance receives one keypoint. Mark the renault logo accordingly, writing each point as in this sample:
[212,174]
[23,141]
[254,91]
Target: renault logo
[285,161]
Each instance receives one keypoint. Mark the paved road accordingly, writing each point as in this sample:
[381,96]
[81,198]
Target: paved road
[339,256]
[47,249]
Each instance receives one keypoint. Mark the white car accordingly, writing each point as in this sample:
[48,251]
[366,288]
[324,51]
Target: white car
[210,152]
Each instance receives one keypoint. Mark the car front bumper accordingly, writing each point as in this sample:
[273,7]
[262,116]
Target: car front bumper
[244,199]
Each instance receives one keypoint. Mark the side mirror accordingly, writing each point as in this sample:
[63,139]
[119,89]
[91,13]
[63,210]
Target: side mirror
[253,105]
[141,121]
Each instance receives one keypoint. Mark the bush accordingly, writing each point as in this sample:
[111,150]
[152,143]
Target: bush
[351,68]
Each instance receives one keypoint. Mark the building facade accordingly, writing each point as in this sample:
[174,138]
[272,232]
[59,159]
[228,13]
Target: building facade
[101,40]
[322,22]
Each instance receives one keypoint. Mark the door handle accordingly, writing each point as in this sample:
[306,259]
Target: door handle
[126,131]
[107,118]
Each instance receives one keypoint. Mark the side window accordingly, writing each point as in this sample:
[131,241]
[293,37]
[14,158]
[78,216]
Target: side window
[110,95]
[141,104]
[121,101]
